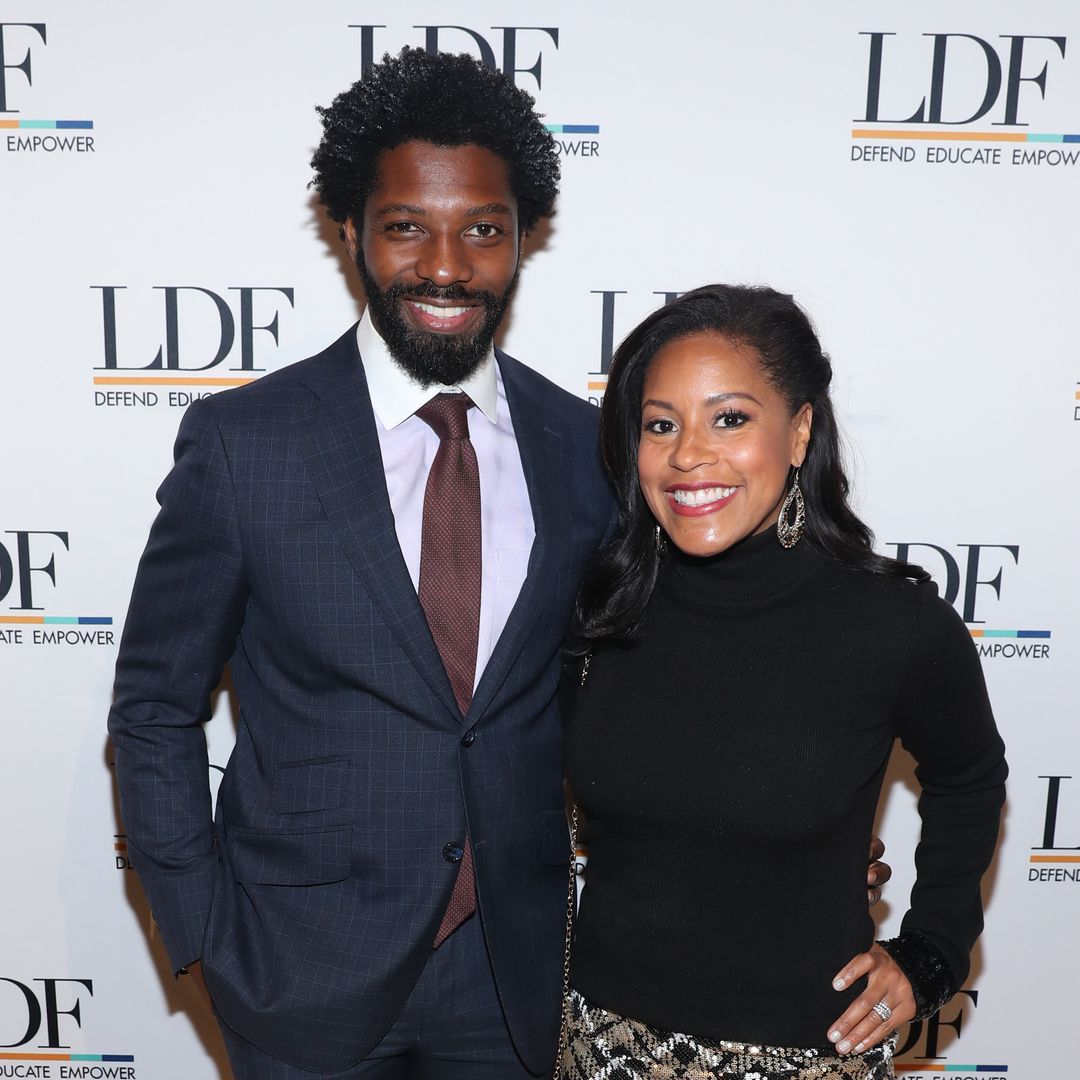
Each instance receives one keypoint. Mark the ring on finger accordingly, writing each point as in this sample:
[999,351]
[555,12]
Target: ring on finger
[883,1011]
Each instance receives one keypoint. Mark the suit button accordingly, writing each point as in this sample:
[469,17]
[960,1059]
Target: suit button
[468,738]
[453,852]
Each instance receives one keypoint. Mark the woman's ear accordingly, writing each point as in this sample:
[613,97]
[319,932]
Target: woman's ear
[801,423]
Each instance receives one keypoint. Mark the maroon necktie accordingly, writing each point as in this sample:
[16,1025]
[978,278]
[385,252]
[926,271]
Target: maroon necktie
[449,590]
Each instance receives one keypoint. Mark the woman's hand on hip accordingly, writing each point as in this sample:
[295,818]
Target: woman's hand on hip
[887,990]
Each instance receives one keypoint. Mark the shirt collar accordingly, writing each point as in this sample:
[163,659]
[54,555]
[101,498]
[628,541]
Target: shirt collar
[395,396]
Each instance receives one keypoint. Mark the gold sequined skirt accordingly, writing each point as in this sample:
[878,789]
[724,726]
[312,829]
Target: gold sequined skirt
[602,1045]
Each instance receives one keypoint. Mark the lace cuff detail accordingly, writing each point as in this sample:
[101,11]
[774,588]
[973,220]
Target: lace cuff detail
[927,970]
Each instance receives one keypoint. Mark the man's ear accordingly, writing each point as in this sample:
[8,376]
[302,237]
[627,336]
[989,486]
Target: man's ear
[352,242]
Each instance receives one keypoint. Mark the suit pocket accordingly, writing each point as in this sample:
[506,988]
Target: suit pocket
[297,857]
[301,787]
[555,838]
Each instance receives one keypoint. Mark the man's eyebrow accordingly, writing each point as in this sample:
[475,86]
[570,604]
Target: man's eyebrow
[401,208]
[488,208]
[418,211]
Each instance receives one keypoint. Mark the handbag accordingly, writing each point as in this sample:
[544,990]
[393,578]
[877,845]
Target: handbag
[571,907]
[571,898]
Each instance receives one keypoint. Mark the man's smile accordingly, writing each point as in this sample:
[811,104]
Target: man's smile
[441,318]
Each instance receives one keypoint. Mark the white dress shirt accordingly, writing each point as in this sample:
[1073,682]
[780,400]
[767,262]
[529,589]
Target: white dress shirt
[408,448]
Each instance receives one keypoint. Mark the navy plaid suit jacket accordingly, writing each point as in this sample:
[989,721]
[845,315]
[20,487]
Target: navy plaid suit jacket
[313,896]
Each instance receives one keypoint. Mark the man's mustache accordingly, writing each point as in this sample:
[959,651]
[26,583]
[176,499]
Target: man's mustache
[429,291]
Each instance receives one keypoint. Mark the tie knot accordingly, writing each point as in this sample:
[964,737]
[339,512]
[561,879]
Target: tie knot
[446,414]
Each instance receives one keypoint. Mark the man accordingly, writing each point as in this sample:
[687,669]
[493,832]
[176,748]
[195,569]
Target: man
[376,760]
[385,542]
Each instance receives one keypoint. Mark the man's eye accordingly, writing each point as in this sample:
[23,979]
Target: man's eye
[402,227]
[484,229]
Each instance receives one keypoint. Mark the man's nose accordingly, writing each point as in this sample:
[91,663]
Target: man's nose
[445,261]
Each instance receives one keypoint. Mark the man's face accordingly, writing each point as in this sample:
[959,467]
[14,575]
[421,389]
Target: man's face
[438,251]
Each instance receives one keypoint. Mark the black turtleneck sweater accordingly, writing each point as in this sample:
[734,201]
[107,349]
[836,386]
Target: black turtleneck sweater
[729,766]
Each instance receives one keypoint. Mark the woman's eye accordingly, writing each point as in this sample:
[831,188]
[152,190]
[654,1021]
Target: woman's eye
[731,419]
[660,427]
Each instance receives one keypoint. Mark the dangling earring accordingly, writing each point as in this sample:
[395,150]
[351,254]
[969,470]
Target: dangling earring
[661,541]
[790,532]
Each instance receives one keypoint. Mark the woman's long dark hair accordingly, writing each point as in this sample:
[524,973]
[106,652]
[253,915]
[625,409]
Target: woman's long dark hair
[612,602]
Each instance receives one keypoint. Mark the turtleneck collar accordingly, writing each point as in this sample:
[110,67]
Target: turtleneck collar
[754,572]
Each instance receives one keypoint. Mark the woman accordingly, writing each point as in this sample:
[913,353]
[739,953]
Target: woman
[749,662]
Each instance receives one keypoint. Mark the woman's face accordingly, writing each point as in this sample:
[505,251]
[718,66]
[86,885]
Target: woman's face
[716,443]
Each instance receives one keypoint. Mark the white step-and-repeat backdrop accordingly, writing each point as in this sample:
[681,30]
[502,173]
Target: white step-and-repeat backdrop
[910,171]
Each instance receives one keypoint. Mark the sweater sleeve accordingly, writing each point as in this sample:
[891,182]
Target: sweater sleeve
[943,718]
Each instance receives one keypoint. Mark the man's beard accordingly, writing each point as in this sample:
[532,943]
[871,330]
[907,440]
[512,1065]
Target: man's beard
[429,358]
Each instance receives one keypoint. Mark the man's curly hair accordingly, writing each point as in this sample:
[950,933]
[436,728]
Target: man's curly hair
[445,99]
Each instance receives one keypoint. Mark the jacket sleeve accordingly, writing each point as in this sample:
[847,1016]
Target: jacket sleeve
[185,613]
[945,721]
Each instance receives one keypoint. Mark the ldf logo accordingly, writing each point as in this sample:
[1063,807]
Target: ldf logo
[607,322]
[597,380]
[971,580]
[946,46]
[217,324]
[16,30]
[433,38]
[16,38]
[21,566]
[47,1010]
[1050,821]
[931,1051]
[1056,863]
[932,1029]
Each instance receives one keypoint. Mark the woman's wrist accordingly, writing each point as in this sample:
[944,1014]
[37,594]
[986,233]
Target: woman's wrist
[926,969]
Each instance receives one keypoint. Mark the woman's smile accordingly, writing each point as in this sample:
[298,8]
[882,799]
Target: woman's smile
[694,500]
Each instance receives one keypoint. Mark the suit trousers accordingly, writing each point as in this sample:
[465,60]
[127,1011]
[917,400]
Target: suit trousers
[450,1028]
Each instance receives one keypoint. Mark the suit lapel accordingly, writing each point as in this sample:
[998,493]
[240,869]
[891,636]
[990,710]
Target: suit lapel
[341,449]
[543,461]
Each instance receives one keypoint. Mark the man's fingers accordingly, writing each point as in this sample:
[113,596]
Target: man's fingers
[195,973]
[879,873]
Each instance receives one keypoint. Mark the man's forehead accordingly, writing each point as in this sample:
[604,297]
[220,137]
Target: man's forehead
[443,171]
